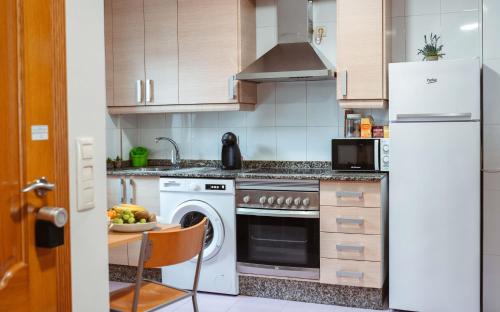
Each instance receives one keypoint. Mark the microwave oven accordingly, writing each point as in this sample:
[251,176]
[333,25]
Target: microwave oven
[355,154]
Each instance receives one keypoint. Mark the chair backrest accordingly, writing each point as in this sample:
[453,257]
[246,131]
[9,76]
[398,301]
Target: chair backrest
[175,246]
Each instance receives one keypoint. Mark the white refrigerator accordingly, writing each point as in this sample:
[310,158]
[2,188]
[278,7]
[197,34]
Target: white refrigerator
[434,186]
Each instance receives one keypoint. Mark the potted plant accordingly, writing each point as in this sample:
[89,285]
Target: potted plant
[118,162]
[431,50]
[110,165]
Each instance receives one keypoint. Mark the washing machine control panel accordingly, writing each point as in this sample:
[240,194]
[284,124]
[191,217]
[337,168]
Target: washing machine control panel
[215,187]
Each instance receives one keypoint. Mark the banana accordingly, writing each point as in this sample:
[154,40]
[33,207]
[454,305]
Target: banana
[132,208]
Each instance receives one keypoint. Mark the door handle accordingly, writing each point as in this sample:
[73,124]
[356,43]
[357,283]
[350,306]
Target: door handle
[41,186]
[347,248]
[349,274]
[343,79]
[340,194]
[138,91]
[149,90]
[133,186]
[123,199]
[355,221]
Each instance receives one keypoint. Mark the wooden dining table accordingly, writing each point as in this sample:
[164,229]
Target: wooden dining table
[118,238]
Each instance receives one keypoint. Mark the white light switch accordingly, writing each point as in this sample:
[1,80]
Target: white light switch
[85,173]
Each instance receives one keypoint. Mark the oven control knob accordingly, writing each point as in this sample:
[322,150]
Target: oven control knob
[280,200]
[385,148]
[270,200]
[246,199]
[297,201]
[306,202]
[386,159]
[262,200]
[289,201]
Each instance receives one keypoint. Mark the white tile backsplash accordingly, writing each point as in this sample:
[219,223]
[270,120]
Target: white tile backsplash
[491,25]
[416,27]
[491,91]
[459,5]
[291,143]
[322,106]
[422,7]
[261,143]
[460,32]
[291,105]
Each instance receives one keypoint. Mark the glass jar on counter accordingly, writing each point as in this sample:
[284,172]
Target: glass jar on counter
[352,125]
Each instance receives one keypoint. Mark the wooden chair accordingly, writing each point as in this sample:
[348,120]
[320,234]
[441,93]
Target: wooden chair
[160,249]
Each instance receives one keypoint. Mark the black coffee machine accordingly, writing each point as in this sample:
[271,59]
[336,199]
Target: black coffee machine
[231,155]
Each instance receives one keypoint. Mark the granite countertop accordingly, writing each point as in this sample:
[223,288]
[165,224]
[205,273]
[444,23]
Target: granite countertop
[269,170]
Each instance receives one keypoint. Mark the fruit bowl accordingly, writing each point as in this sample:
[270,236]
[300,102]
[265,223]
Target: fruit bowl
[130,228]
[131,218]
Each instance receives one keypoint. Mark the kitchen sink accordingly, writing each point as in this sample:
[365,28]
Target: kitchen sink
[149,169]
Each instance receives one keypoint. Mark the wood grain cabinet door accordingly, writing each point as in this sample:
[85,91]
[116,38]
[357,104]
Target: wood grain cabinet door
[360,53]
[161,57]
[208,50]
[128,52]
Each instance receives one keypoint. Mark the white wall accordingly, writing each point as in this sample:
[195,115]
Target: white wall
[295,121]
[491,150]
[86,110]
[456,21]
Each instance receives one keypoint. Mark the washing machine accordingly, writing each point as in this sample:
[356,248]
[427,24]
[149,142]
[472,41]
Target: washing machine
[187,202]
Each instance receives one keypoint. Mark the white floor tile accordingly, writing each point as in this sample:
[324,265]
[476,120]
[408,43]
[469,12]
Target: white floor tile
[225,303]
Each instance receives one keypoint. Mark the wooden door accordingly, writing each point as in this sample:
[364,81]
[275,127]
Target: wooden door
[32,93]
[161,57]
[128,52]
[208,50]
[360,51]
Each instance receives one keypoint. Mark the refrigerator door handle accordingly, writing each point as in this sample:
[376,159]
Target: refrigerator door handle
[434,117]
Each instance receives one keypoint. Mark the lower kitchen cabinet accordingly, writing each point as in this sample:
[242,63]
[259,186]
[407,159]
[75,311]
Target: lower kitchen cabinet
[139,190]
[353,234]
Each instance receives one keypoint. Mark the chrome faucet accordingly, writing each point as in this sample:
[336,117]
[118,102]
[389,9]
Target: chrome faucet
[176,158]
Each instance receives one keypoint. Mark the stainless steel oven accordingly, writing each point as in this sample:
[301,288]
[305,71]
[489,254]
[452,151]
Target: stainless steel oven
[360,154]
[278,227]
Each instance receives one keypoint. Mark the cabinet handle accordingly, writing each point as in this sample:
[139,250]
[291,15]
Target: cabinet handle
[356,221]
[349,194]
[133,186]
[346,247]
[124,191]
[149,90]
[343,82]
[231,87]
[350,274]
[138,91]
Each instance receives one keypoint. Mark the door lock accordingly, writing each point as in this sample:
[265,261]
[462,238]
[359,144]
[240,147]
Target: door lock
[41,186]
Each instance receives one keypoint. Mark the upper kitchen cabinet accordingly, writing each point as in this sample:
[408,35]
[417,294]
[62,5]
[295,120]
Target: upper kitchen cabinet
[363,52]
[216,41]
[178,55]
[141,52]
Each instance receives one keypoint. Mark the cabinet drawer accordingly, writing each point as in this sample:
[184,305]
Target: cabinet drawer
[351,273]
[354,194]
[350,220]
[351,246]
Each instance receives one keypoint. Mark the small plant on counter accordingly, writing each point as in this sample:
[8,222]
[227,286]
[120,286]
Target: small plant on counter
[110,164]
[431,50]
[118,162]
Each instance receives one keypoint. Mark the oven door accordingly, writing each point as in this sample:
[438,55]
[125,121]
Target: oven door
[278,242]
[355,154]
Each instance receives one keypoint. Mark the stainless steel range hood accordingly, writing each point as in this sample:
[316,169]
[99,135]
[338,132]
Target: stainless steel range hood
[294,58]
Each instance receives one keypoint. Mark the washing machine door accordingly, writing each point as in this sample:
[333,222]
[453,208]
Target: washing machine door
[192,212]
